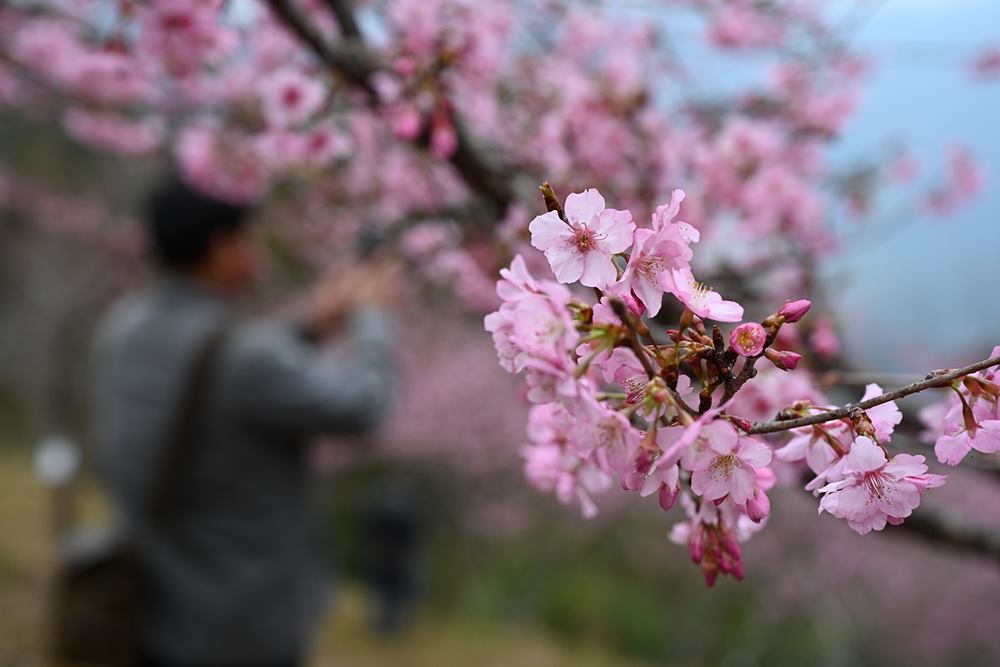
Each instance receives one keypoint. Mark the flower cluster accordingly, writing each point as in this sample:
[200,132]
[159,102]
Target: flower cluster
[665,413]
[969,419]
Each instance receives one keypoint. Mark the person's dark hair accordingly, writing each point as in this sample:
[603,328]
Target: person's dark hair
[181,223]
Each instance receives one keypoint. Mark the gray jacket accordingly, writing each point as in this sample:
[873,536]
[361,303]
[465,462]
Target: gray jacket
[231,573]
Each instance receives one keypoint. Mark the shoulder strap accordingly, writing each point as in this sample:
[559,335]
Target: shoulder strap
[179,444]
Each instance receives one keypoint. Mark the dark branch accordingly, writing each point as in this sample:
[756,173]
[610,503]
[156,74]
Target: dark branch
[344,14]
[931,381]
[484,174]
[350,59]
[632,334]
[949,530]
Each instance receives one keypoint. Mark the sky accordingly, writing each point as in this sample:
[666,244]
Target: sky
[915,288]
[909,290]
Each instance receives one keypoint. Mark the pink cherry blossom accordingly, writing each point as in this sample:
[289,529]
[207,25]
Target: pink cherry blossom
[289,97]
[582,248]
[605,432]
[113,132]
[740,24]
[815,444]
[657,253]
[727,467]
[748,339]
[702,300]
[551,466]
[227,166]
[965,175]
[960,438]
[875,491]
[987,64]
[824,340]
[184,34]
[885,418]
[623,368]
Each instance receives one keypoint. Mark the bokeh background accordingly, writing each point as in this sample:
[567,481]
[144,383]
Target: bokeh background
[502,575]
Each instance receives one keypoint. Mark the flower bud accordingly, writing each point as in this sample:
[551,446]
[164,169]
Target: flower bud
[697,544]
[731,546]
[741,423]
[783,359]
[793,311]
[759,506]
[668,496]
[657,390]
[748,339]
[631,481]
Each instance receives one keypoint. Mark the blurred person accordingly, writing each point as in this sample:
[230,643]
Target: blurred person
[229,575]
[392,541]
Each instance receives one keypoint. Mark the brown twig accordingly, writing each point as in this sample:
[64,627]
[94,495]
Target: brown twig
[631,333]
[929,382]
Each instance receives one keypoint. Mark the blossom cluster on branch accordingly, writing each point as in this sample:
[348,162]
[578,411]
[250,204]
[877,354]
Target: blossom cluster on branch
[663,414]
[431,120]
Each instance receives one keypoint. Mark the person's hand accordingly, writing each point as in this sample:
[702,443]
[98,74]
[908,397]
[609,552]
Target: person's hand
[380,284]
[345,289]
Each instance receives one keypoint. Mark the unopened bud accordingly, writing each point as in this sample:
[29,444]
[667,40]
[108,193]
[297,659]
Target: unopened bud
[731,546]
[793,311]
[668,496]
[657,390]
[759,506]
[971,424]
[741,423]
[783,359]
[863,424]
[631,481]
[697,544]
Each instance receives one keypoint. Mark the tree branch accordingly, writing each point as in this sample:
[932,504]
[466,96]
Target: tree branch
[344,14]
[350,59]
[931,381]
[482,173]
[947,529]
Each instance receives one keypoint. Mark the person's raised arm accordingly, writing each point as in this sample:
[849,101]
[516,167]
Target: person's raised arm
[287,381]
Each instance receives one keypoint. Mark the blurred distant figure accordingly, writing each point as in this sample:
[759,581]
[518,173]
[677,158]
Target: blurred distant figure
[229,574]
[392,541]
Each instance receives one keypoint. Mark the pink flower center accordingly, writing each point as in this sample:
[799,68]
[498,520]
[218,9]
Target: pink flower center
[651,267]
[749,338]
[291,96]
[176,21]
[635,388]
[699,294]
[610,435]
[878,484]
[722,466]
[585,239]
